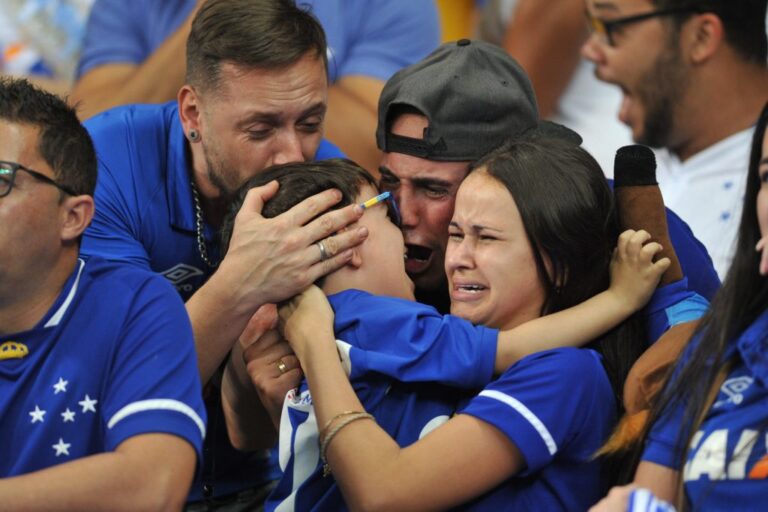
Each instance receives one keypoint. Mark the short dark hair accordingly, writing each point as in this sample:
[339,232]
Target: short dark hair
[252,34]
[298,181]
[743,22]
[568,214]
[64,143]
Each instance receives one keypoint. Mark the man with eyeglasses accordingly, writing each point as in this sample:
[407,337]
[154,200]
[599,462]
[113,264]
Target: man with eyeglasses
[693,76]
[100,405]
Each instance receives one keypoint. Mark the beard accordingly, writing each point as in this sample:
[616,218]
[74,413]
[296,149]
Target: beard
[665,84]
[219,173]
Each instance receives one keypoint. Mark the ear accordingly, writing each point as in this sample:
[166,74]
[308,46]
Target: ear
[189,109]
[357,258]
[703,37]
[76,215]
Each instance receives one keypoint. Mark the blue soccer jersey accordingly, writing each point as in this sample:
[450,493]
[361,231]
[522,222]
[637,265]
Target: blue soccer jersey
[112,359]
[558,408]
[727,463]
[145,215]
[398,354]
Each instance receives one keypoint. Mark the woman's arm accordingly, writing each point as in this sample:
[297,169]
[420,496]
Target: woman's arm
[660,480]
[634,276]
[657,484]
[374,473]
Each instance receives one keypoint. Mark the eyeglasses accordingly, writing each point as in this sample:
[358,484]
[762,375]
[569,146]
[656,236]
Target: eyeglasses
[392,212]
[8,172]
[605,28]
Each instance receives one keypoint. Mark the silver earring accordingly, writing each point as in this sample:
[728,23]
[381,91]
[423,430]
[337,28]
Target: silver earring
[194,135]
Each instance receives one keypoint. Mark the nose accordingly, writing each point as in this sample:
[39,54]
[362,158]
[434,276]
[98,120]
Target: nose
[287,148]
[408,205]
[592,49]
[459,255]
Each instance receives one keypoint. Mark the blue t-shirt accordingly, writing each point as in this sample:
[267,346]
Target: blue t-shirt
[557,407]
[372,38]
[400,355]
[112,359]
[727,463]
[145,216]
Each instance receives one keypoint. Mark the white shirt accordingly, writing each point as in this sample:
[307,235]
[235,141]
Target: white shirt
[707,192]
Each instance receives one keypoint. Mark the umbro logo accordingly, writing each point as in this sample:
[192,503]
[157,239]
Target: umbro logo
[180,273]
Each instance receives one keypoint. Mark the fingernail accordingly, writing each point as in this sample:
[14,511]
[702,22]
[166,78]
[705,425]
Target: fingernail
[363,232]
[358,210]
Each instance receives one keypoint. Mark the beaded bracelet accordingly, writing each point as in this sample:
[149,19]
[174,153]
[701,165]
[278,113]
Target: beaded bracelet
[350,417]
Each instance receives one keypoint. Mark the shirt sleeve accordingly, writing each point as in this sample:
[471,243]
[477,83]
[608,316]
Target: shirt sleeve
[662,445]
[113,35]
[391,34]
[546,400]
[154,382]
[114,233]
[411,342]
[671,305]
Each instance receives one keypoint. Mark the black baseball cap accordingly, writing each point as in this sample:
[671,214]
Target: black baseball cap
[474,95]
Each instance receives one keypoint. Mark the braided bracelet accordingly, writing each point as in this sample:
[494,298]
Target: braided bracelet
[329,437]
[340,415]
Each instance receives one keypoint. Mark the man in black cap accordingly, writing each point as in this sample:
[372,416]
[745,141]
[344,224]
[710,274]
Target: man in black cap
[438,116]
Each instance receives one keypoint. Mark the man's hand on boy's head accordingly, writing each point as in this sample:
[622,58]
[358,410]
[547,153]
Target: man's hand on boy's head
[270,260]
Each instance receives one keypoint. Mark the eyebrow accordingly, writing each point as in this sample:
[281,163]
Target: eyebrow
[476,228]
[605,6]
[318,108]
[387,170]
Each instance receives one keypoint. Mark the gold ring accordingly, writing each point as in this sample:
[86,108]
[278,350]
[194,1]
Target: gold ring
[282,366]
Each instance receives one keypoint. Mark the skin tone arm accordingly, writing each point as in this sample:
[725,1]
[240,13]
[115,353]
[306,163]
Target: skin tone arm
[634,276]
[110,85]
[660,480]
[250,415]
[545,38]
[146,472]
[269,260]
[373,471]
[355,98]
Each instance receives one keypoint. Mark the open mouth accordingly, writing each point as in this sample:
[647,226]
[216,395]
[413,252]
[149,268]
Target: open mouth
[417,258]
[418,253]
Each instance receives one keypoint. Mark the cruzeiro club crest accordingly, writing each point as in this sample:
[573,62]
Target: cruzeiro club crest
[13,350]
[180,273]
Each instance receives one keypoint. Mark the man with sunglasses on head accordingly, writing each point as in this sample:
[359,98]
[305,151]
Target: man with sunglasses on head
[100,405]
[694,77]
